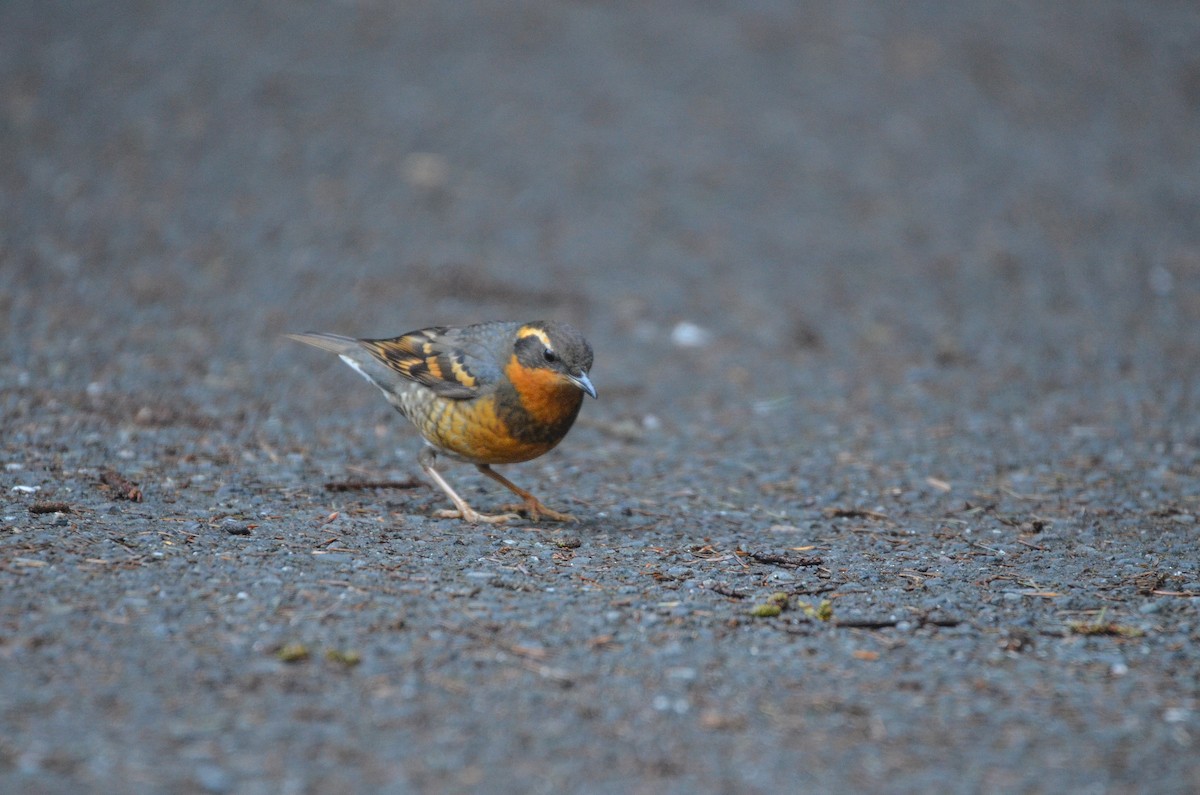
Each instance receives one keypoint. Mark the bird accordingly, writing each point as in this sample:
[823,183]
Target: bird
[500,392]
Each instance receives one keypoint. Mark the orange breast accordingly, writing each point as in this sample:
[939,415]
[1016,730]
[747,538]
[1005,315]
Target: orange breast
[507,426]
[546,397]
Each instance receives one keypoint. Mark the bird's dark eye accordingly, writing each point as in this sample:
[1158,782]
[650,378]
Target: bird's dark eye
[550,355]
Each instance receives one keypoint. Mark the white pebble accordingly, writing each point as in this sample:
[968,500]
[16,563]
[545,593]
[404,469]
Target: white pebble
[689,335]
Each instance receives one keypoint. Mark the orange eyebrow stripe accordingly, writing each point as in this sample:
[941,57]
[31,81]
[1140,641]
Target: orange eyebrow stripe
[532,331]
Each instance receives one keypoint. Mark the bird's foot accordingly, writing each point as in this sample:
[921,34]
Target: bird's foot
[533,508]
[475,517]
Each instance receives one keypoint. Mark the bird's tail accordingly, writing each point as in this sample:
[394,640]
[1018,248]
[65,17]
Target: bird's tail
[334,343]
[352,352]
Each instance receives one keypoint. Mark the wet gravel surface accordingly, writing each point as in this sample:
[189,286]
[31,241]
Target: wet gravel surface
[894,478]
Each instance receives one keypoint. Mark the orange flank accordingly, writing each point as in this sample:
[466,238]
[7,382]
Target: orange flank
[474,432]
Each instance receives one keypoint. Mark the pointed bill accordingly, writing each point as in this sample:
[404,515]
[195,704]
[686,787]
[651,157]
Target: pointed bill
[583,382]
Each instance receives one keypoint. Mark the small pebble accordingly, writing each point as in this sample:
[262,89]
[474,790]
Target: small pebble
[690,335]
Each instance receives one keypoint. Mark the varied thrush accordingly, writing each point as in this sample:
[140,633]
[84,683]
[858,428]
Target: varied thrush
[490,393]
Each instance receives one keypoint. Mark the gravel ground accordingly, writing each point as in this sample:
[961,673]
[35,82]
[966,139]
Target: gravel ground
[894,479]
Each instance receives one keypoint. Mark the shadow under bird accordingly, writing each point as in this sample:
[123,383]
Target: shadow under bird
[489,393]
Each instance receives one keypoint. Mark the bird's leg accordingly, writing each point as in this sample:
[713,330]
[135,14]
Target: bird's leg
[531,504]
[426,458]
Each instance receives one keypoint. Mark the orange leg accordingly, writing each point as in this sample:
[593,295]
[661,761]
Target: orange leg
[531,504]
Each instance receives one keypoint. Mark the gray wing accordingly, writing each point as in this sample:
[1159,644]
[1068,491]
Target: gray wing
[454,363]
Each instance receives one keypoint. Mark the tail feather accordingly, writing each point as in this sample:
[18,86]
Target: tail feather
[334,343]
[352,352]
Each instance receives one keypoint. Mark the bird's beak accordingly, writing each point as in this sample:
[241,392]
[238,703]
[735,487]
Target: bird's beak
[583,382]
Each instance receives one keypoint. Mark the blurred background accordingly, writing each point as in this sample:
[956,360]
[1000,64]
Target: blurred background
[935,207]
[912,286]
